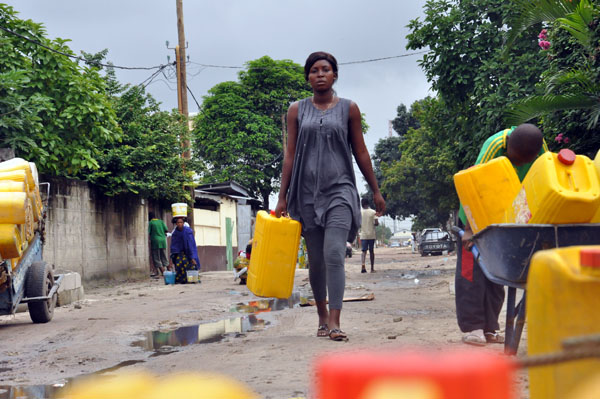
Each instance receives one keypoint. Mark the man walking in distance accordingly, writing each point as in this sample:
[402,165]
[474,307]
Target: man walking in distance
[367,233]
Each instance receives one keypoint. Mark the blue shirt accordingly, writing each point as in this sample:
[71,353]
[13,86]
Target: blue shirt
[184,242]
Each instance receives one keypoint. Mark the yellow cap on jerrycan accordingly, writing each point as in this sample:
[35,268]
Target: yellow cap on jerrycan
[274,254]
[563,297]
[486,191]
[596,217]
[559,188]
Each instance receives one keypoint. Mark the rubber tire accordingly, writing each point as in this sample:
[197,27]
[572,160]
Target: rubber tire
[40,280]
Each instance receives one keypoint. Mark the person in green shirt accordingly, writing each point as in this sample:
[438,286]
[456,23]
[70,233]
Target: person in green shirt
[157,231]
[478,300]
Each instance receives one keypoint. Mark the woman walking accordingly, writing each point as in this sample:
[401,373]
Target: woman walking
[318,187]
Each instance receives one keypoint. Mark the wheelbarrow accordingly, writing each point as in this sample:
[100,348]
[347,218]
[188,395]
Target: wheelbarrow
[504,252]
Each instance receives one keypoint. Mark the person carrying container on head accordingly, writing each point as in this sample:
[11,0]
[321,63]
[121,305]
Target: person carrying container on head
[478,300]
[183,250]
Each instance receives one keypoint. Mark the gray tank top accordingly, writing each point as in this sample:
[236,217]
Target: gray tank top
[323,174]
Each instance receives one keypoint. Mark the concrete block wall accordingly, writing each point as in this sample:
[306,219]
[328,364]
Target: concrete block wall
[96,236]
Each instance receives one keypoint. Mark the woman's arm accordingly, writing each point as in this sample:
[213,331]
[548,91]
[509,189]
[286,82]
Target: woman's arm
[362,157]
[288,159]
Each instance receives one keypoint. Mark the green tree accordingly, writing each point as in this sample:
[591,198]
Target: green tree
[147,161]
[419,183]
[404,120]
[468,70]
[567,103]
[238,131]
[383,233]
[52,110]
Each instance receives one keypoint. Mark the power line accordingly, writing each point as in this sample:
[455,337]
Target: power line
[339,63]
[88,62]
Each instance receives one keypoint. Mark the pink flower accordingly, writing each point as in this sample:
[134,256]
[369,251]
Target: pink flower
[566,140]
[543,34]
[559,138]
[544,44]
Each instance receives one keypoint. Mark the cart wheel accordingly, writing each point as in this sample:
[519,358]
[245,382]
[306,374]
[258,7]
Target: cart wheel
[40,280]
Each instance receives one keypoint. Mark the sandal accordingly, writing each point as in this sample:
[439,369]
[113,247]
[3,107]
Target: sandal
[338,335]
[474,339]
[494,338]
[323,331]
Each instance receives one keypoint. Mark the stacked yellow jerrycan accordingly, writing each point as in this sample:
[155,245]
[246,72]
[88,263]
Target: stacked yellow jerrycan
[596,217]
[274,254]
[563,298]
[20,207]
[486,191]
[559,188]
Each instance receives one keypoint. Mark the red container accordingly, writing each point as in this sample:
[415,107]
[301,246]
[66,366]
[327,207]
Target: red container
[464,374]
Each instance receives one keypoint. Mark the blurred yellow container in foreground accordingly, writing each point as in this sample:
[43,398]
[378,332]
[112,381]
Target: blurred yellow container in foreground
[274,255]
[563,298]
[13,207]
[559,188]
[486,191]
[596,218]
[148,386]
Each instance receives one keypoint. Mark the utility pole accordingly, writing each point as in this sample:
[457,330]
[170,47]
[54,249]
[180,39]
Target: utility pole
[182,93]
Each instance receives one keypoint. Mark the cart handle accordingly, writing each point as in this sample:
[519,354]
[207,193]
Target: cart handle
[460,232]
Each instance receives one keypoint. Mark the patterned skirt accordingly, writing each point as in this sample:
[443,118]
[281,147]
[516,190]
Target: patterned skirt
[182,265]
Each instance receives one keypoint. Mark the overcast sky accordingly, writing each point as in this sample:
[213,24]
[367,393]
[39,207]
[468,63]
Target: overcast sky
[232,32]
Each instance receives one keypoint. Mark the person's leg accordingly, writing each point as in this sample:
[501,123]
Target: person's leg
[317,274]
[470,291]
[372,255]
[334,251]
[337,227]
[364,246]
[493,301]
[164,260]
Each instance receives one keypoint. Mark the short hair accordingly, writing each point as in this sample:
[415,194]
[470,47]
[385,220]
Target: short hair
[364,202]
[316,56]
[150,215]
[526,139]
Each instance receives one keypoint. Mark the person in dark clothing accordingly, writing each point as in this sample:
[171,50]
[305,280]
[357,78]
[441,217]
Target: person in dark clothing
[183,251]
[478,300]
[318,186]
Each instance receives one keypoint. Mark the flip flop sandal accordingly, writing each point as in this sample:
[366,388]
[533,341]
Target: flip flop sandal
[338,335]
[494,338]
[323,331]
[473,339]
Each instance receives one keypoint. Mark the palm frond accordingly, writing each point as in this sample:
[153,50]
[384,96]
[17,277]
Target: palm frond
[577,22]
[581,78]
[529,13]
[535,106]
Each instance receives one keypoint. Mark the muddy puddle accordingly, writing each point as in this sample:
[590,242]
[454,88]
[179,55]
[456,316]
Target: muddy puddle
[257,316]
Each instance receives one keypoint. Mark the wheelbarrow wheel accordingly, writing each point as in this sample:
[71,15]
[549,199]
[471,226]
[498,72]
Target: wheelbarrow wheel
[40,280]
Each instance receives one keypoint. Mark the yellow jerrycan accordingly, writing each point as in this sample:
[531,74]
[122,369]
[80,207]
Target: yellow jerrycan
[563,298]
[596,218]
[274,254]
[11,242]
[559,188]
[486,191]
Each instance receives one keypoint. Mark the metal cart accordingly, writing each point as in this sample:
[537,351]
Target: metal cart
[504,252]
[31,281]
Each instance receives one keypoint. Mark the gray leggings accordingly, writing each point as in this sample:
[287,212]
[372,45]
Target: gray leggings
[326,257]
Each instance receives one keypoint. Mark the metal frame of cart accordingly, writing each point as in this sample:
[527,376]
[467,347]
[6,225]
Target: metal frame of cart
[504,252]
[32,281]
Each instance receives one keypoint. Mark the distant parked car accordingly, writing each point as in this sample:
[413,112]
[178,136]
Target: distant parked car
[395,244]
[435,242]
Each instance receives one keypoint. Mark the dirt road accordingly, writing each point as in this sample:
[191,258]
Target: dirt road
[149,325]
